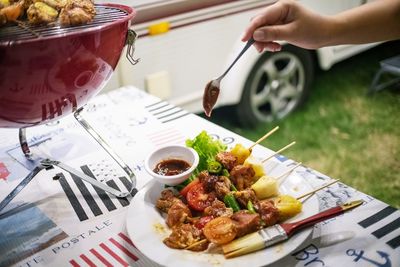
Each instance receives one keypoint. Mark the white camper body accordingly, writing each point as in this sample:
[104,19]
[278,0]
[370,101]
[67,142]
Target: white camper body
[184,44]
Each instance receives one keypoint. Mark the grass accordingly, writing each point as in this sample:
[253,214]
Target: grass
[341,131]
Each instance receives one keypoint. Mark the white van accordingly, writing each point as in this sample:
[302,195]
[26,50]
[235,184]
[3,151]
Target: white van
[184,43]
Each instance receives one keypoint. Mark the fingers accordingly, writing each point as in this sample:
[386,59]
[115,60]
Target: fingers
[274,33]
[259,47]
[271,15]
[269,46]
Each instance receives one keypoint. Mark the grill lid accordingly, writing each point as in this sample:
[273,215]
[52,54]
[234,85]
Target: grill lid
[25,31]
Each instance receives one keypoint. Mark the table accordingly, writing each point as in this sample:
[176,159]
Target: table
[65,222]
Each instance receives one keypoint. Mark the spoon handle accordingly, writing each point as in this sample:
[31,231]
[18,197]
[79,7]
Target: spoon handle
[249,43]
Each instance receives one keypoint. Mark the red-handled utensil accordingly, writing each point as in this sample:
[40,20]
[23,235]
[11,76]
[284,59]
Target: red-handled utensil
[280,232]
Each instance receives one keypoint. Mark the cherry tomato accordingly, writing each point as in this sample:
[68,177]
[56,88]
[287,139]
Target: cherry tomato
[186,189]
[203,221]
[220,230]
[198,199]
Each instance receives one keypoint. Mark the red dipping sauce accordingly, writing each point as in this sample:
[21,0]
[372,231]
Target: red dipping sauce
[171,167]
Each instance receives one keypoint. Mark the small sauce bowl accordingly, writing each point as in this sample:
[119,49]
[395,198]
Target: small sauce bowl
[172,156]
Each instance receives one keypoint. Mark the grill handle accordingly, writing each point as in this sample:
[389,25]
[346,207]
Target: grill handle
[131,37]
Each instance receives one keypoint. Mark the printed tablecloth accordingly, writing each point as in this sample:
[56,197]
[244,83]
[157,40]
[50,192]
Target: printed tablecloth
[64,221]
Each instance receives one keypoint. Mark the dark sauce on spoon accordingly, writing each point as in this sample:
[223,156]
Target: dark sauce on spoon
[211,91]
[210,96]
[170,167]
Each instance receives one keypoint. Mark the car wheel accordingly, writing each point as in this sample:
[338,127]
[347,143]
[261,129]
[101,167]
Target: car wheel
[277,84]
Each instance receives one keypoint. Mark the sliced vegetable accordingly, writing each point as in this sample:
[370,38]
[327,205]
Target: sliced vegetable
[231,202]
[186,189]
[220,230]
[225,173]
[288,206]
[241,152]
[198,199]
[214,167]
[250,207]
[256,164]
[233,188]
[265,187]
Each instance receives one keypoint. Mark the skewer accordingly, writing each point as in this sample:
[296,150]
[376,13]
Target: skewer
[288,171]
[264,137]
[279,151]
[318,189]
[298,198]
[196,243]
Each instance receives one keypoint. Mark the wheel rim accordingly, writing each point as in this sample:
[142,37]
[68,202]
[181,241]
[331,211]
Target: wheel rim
[277,86]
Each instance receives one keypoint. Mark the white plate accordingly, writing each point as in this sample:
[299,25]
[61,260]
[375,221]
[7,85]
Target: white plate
[147,229]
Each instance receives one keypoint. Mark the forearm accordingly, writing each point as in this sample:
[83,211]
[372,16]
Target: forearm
[376,21]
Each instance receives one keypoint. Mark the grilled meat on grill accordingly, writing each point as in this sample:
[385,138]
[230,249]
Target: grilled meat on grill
[77,12]
[10,11]
[56,4]
[4,3]
[67,12]
[41,13]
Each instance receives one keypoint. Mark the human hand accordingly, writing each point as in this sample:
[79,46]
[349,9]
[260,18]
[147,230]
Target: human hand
[289,21]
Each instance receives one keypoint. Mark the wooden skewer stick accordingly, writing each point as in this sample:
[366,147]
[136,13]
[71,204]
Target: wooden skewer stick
[196,243]
[318,189]
[264,137]
[279,151]
[288,171]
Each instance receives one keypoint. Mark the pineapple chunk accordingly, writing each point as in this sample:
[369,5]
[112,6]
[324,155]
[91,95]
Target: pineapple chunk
[256,165]
[265,187]
[288,206]
[240,152]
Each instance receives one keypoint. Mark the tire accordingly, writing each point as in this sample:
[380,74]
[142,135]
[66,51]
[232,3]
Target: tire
[277,84]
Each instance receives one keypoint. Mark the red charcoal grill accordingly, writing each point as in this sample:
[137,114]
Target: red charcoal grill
[47,72]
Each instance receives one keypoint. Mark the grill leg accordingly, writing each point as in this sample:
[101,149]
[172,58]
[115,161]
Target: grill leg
[24,144]
[106,147]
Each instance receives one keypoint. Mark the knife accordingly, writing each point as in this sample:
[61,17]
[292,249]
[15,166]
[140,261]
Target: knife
[280,232]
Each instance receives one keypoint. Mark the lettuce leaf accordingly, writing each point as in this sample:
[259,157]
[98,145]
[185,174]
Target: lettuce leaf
[206,147]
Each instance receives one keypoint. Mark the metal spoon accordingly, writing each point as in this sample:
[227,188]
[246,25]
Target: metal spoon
[211,91]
